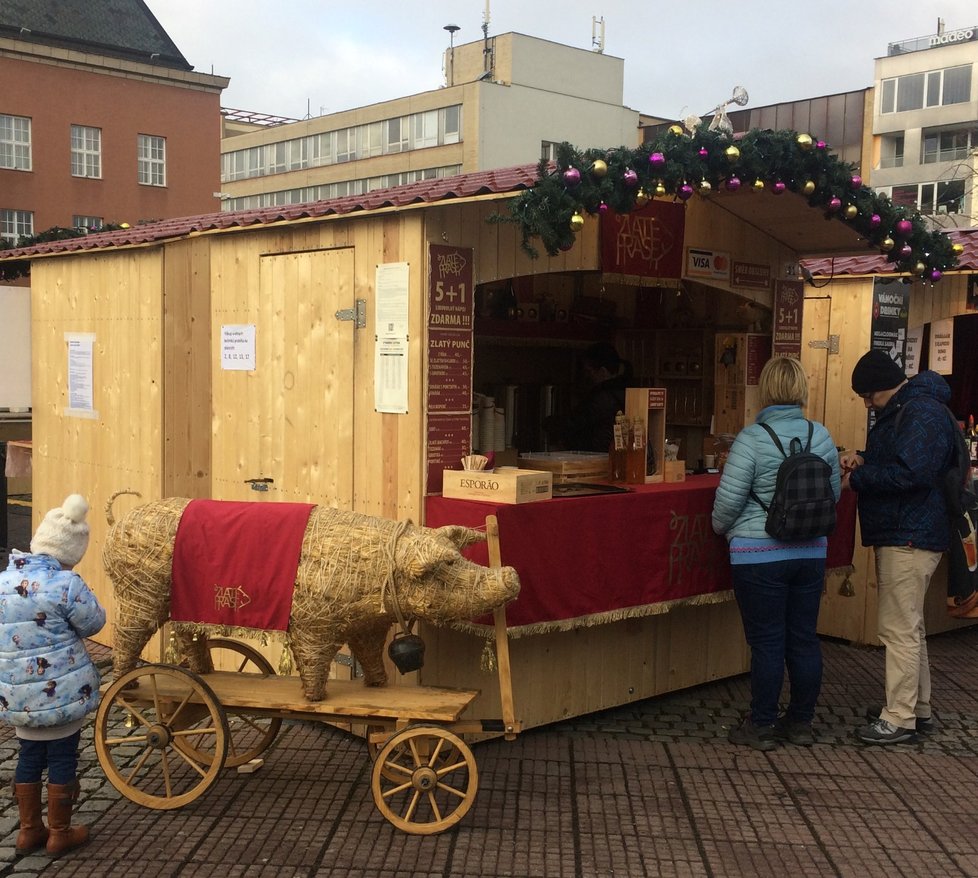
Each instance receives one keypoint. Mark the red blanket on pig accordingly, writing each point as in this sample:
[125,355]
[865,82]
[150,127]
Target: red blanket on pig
[235,563]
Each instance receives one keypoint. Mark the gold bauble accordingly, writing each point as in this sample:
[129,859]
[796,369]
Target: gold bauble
[676,130]
[957,249]
[758,185]
[705,187]
[887,244]
[641,198]
[851,211]
[808,187]
[577,222]
[599,168]
[804,142]
[660,189]
[919,269]
[731,153]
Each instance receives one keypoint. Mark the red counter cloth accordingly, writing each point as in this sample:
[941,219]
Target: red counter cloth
[614,555]
[234,563]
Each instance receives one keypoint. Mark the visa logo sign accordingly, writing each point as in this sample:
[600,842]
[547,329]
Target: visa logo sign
[707,263]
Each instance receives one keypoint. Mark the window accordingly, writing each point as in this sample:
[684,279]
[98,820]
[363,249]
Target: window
[151,160]
[453,124]
[425,129]
[16,224]
[371,139]
[931,198]
[91,223]
[548,151]
[936,88]
[86,151]
[957,85]
[910,92]
[397,134]
[891,151]
[947,146]
[346,144]
[15,143]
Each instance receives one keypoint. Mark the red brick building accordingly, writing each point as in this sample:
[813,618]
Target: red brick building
[102,119]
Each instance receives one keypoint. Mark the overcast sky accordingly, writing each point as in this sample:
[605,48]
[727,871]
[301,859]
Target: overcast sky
[298,57]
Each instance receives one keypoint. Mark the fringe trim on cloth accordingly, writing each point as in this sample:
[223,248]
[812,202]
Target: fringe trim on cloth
[202,629]
[656,609]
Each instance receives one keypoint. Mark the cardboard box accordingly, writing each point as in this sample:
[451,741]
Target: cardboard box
[675,470]
[499,486]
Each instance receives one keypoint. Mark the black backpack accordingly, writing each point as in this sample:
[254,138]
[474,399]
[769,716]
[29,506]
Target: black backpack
[956,483]
[803,505]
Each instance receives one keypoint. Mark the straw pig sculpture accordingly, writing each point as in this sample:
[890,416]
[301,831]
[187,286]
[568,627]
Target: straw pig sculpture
[351,570]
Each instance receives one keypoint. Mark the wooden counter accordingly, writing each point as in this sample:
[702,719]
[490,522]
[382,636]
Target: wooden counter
[640,604]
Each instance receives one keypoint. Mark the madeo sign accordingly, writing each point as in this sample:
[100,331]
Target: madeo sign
[954,36]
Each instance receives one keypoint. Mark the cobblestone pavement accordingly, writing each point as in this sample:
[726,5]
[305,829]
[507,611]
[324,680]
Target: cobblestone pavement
[648,789]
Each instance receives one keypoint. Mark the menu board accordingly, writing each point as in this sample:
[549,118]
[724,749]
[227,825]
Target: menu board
[449,367]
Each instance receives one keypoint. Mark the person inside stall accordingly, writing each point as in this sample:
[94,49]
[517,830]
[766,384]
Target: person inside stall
[589,426]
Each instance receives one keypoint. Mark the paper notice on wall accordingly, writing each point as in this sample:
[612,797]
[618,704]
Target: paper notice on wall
[81,381]
[391,375]
[915,340]
[391,340]
[942,346]
[238,347]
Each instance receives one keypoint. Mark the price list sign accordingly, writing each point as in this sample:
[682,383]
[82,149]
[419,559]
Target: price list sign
[789,299]
[450,348]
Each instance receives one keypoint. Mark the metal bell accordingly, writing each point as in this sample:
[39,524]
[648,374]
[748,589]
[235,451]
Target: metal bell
[407,652]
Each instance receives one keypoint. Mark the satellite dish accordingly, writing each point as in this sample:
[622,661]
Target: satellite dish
[739,96]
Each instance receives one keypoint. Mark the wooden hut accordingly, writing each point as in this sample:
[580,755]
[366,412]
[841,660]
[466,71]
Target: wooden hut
[239,356]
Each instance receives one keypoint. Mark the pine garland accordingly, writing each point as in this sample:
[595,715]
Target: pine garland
[679,163]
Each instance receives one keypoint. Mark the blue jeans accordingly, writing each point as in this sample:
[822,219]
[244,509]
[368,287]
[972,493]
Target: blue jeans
[59,757]
[779,605]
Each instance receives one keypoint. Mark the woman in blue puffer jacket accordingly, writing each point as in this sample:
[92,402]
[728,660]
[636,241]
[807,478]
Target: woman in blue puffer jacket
[778,585]
[48,684]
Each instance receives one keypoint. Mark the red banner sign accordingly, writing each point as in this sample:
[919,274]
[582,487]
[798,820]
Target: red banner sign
[646,242]
[450,293]
[789,299]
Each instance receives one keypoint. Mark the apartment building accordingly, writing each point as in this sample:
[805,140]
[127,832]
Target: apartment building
[506,100]
[102,119]
[925,125]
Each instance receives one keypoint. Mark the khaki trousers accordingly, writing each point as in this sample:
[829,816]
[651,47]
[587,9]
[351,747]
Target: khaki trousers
[903,574]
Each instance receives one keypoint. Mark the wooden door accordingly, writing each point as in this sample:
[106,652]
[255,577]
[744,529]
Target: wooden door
[284,432]
[816,350]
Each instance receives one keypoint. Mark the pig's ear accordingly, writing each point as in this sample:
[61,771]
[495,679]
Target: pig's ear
[422,556]
[461,536]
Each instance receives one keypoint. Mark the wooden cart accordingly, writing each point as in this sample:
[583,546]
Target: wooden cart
[163,733]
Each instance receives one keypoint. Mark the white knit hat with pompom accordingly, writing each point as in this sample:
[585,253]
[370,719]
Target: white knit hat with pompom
[63,534]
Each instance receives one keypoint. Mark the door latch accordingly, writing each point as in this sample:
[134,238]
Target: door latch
[358,313]
[831,343]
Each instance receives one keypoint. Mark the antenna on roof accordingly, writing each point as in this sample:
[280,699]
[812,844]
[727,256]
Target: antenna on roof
[597,39]
[487,60]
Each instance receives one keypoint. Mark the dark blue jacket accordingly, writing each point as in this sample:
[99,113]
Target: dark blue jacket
[900,499]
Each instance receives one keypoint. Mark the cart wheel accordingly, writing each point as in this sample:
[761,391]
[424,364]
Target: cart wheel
[424,780]
[141,716]
[251,735]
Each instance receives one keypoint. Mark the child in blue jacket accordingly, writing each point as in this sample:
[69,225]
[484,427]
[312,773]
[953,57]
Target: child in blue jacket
[48,684]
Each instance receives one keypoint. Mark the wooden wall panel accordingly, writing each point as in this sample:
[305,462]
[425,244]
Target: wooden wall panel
[187,369]
[577,672]
[118,298]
